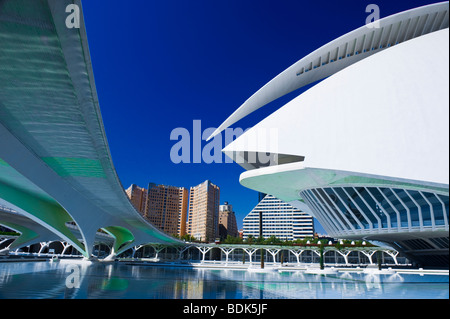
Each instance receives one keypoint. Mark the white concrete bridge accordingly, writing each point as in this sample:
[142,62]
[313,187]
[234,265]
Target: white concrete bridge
[55,164]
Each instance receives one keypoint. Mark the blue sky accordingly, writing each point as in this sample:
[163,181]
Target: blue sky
[159,65]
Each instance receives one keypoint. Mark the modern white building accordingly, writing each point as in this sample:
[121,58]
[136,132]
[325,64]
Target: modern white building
[366,150]
[279,219]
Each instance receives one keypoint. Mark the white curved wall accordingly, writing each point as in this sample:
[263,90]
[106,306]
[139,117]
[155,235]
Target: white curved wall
[386,115]
[344,51]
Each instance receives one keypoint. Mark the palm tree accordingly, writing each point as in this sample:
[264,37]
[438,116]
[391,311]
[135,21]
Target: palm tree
[321,249]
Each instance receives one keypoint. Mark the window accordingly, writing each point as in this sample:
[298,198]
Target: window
[358,207]
[361,198]
[385,206]
[413,209]
[345,207]
[424,206]
[436,206]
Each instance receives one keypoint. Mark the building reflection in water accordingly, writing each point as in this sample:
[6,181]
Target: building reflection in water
[119,280]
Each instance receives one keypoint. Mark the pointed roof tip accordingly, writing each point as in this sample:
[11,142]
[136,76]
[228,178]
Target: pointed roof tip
[302,72]
[216,132]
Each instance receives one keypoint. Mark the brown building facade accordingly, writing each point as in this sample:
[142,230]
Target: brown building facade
[167,208]
[163,206]
[227,221]
[138,197]
[204,211]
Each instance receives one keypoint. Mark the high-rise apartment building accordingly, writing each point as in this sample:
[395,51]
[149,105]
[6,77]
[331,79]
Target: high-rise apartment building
[204,211]
[138,197]
[278,219]
[227,221]
[167,208]
[164,206]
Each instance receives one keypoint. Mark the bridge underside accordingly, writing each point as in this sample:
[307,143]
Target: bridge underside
[55,164]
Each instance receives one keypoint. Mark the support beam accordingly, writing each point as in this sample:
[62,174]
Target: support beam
[121,236]
[181,250]
[88,217]
[203,250]
[49,214]
[226,251]
[345,255]
[250,252]
[27,236]
[369,255]
[297,254]
[273,252]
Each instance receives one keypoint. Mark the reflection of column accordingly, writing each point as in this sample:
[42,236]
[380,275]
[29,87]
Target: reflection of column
[193,289]
[373,281]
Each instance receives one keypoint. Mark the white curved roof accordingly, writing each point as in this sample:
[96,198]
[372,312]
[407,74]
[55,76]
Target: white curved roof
[386,116]
[344,51]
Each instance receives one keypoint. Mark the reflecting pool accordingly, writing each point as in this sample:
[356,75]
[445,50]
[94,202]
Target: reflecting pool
[83,280]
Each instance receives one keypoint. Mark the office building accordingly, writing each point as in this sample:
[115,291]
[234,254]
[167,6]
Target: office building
[227,221]
[279,219]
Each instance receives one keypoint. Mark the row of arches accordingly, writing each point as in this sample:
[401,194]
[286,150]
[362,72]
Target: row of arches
[203,253]
[60,248]
[198,253]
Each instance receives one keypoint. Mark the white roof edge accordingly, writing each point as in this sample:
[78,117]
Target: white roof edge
[289,80]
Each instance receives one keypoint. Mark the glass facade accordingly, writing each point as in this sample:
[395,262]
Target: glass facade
[354,210]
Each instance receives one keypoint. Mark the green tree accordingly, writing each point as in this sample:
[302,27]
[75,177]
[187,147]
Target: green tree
[273,240]
[232,240]
[260,240]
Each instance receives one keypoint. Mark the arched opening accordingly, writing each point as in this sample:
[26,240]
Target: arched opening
[122,237]
[55,247]
[101,250]
[6,243]
[126,254]
[71,251]
[307,256]
[329,257]
[34,248]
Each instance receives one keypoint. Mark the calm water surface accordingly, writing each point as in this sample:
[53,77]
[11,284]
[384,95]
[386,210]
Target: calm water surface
[80,280]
